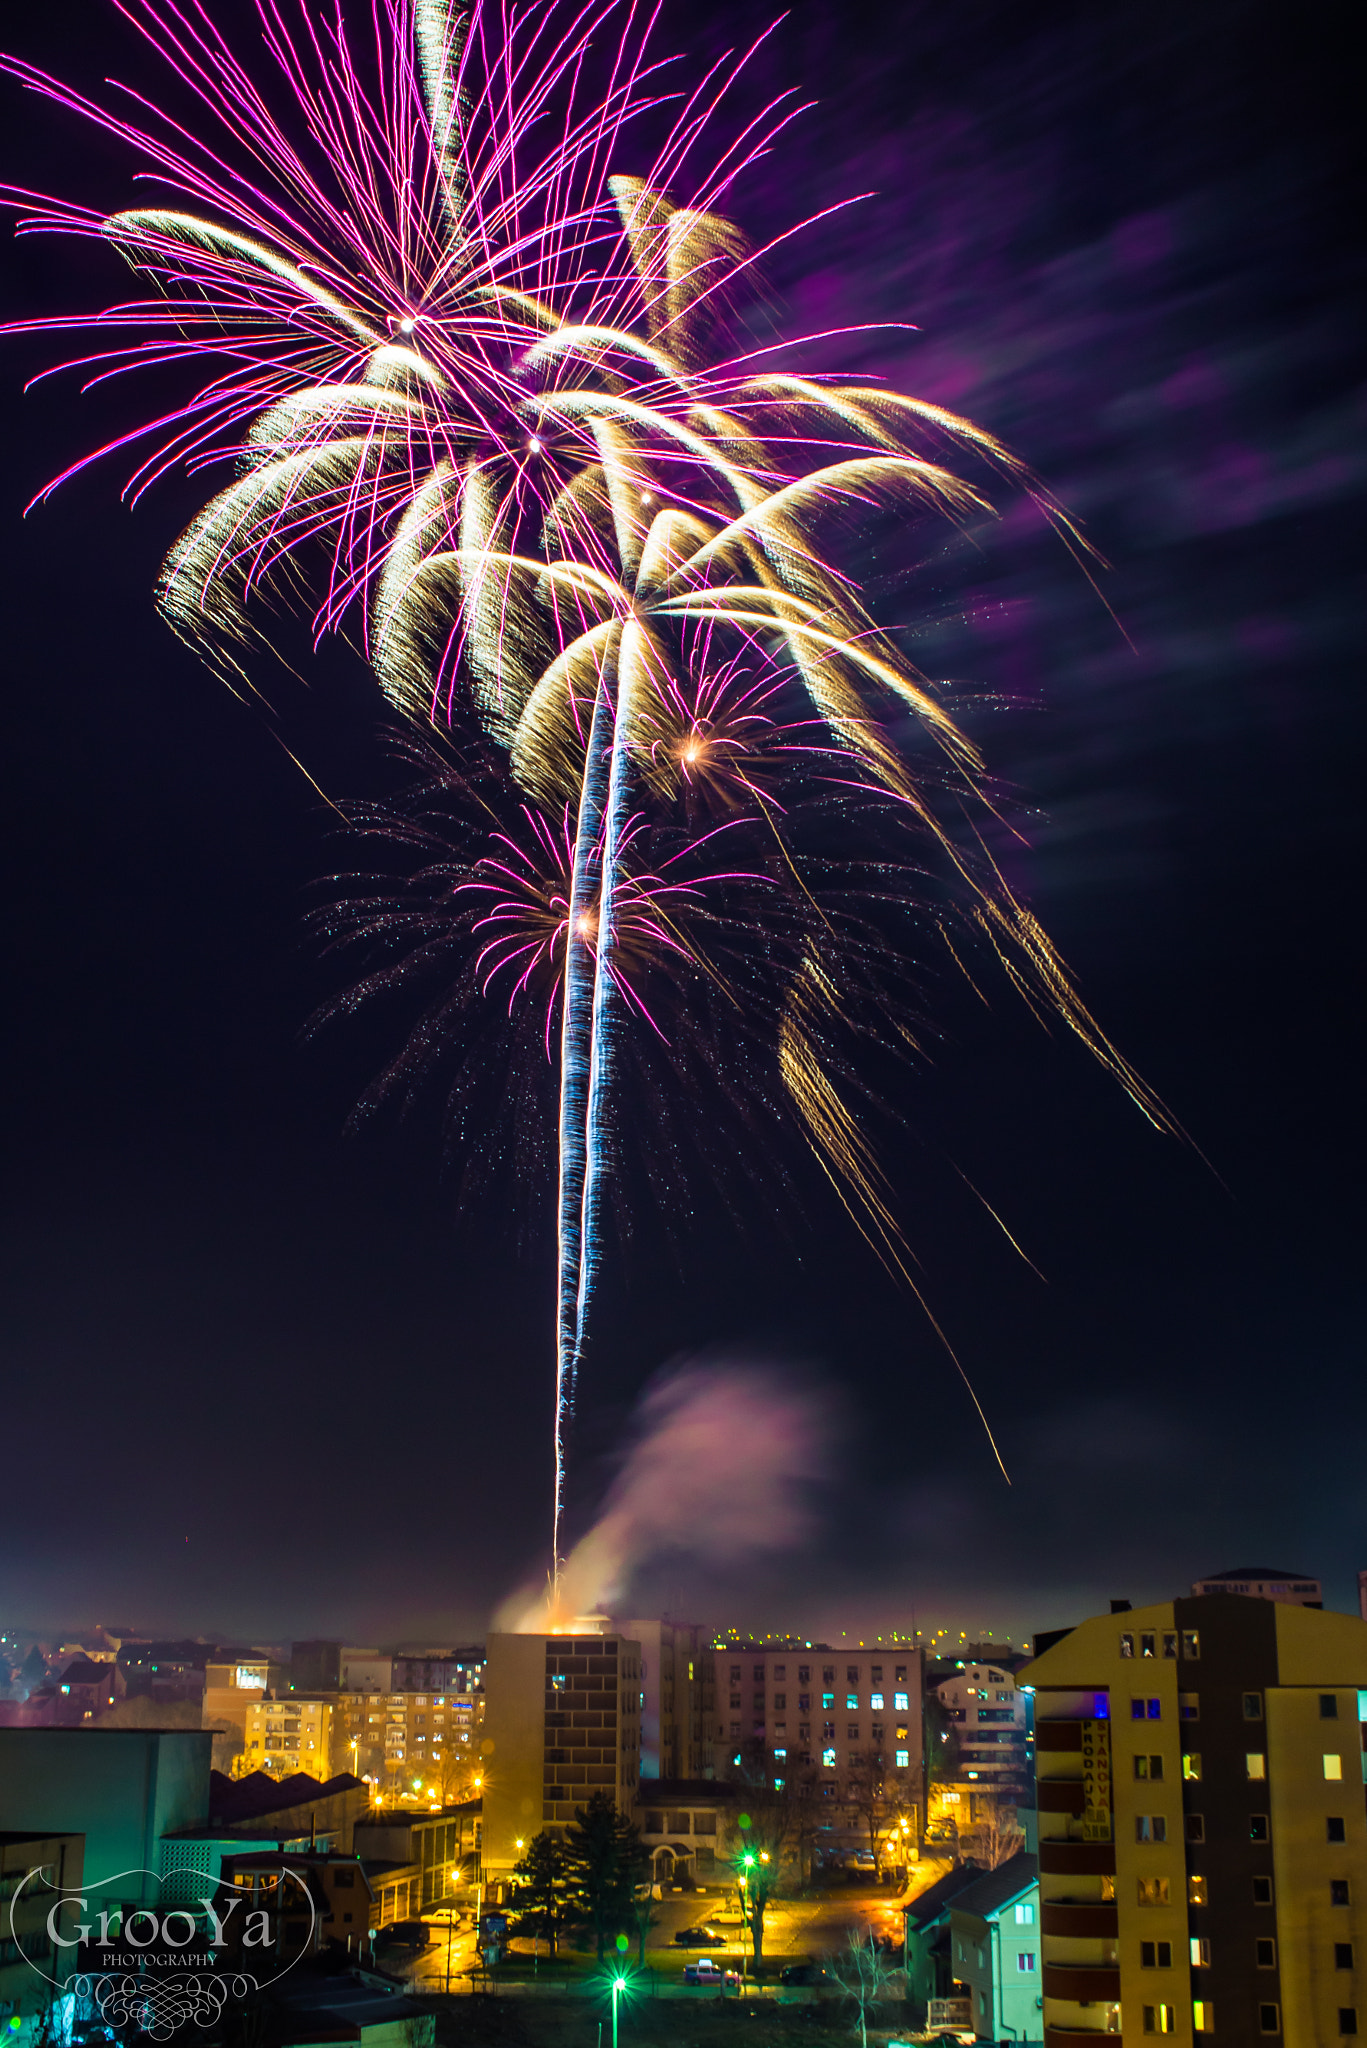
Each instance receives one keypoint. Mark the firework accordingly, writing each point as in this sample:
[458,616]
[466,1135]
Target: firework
[483,391]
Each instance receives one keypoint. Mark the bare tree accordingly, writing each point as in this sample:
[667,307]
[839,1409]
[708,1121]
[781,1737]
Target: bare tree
[881,1798]
[864,1977]
[994,1836]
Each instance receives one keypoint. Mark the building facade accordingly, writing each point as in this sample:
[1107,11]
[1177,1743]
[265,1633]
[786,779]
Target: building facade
[284,1736]
[994,1944]
[1202,1831]
[1263,1582]
[410,1743]
[562,1721]
[672,1665]
[29,1958]
[993,1722]
[819,1707]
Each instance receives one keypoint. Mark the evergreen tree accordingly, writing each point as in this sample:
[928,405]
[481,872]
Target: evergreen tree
[541,1881]
[605,1862]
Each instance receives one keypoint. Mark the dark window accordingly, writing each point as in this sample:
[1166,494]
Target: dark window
[1329,1706]
[804,1674]
[1146,1710]
[1253,1706]
[1334,1828]
[1343,1955]
[759,1674]
[828,1674]
[1155,1955]
[735,1674]
[1146,1646]
[1170,1645]
[1196,1827]
[1150,1767]
[1262,1891]
[1338,1891]
[1268,2021]
[1265,1954]
[1348,2019]
[1257,1827]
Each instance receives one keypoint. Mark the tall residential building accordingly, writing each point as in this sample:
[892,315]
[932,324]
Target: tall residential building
[399,1739]
[562,1721]
[818,1706]
[287,1735]
[1203,1837]
[992,1719]
[672,1663]
[1263,1582]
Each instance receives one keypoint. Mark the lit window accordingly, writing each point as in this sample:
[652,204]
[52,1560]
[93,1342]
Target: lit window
[1153,1891]
[827,1701]
[1146,1710]
[1255,1764]
[1198,1892]
[1200,1952]
[1026,1962]
[1189,1706]
[778,1784]
[902,1758]
[1150,1827]
[828,1759]
[900,1703]
[1160,2019]
[780,1752]
[1025,1916]
[1203,2016]
[876,1702]
[851,1703]
[1333,1767]
[1191,1642]
[1150,1767]
[1127,1645]
[1146,1644]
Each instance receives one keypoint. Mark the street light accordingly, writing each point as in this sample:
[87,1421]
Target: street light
[619,1985]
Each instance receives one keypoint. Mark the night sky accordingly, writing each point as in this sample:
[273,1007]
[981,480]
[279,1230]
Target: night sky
[261,1377]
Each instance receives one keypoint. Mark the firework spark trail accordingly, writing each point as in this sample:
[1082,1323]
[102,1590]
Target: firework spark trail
[489,383]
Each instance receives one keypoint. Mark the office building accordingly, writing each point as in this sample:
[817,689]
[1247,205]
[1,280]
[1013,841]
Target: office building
[562,1721]
[1202,1831]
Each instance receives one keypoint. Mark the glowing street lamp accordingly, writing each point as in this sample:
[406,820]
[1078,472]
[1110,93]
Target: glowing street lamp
[619,1985]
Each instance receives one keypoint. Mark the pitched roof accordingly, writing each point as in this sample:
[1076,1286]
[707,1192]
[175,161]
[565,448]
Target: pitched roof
[934,1900]
[994,1889]
[251,1798]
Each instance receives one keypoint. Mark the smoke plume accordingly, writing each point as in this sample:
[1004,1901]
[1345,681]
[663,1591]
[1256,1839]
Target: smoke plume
[717,1471]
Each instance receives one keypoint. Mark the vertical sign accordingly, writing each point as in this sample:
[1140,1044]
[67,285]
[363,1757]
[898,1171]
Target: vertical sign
[1096,1781]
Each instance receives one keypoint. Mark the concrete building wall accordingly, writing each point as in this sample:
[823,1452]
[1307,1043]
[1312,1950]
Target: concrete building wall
[513,1746]
[123,1789]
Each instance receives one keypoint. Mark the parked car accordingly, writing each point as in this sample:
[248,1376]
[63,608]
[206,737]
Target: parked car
[699,1937]
[803,1973]
[404,1934]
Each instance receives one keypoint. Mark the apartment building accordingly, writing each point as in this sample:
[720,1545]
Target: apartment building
[1263,1582]
[1203,1838]
[285,1735]
[563,1720]
[672,1665]
[400,1739]
[993,1721]
[818,1706]
[231,1688]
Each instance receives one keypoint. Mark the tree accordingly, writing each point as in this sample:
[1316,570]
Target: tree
[775,1829]
[605,1862]
[541,1886]
[994,1836]
[863,1976]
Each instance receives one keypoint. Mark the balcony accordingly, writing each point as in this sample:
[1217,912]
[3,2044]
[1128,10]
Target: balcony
[1077,1859]
[1060,1795]
[1084,1983]
[1059,1737]
[1089,1920]
[1076,2037]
